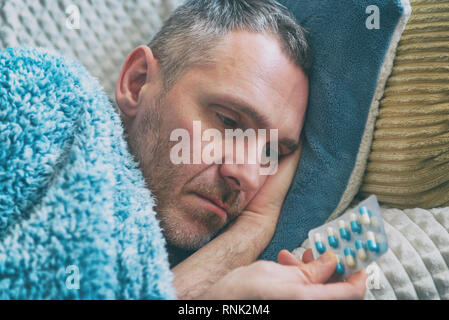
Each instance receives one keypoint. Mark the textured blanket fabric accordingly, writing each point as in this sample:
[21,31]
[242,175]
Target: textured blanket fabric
[72,200]
[416,266]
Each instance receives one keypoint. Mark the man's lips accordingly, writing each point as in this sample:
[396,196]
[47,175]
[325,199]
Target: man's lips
[223,210]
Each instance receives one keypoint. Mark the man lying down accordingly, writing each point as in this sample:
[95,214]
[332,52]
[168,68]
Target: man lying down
[227,64]
[217,66]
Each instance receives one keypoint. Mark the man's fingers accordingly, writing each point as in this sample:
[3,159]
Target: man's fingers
[358,280]
[307,256]
[316,271]
[354,288]
[321,269]
[287,259]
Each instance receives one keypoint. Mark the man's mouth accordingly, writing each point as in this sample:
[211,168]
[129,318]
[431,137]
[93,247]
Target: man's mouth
[215,205]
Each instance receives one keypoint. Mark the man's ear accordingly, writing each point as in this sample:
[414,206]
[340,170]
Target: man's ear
[140,68]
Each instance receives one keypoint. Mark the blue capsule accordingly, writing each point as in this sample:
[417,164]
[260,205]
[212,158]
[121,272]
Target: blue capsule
[333,241]
[361,249]
[359,244]
[340,269]
[365,215]
[320,247]
[349,257]
[370,214]
[371,240]
[344,233]
[355,225]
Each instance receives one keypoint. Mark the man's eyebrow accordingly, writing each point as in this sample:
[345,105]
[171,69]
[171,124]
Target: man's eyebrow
[291,144]
[259,118]
[242,106]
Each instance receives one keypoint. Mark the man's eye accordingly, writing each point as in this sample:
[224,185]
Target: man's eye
[227,121]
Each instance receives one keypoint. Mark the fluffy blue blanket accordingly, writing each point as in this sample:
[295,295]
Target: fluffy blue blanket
[76,220]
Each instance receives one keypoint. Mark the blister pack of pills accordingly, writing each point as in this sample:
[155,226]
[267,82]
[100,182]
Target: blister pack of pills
[357,238]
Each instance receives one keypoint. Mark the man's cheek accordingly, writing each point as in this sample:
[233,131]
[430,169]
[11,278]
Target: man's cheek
[250,196]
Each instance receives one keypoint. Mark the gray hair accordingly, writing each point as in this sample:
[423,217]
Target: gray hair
[188,36]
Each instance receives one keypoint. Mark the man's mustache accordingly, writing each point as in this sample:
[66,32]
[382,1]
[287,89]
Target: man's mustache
[221,191]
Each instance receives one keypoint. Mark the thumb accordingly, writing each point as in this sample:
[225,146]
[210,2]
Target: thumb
[321,269]
[287,259]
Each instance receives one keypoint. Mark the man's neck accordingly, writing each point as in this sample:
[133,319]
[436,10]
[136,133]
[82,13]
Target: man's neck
[177,255]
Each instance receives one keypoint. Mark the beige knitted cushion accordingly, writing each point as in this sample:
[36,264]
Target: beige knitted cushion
[409,162]
[108,30]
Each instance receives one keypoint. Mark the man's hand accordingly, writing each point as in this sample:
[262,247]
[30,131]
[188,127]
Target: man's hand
[288,279]
[243,241]
[260,217]
[262,213]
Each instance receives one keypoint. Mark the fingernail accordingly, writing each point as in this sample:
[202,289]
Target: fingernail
[327,257]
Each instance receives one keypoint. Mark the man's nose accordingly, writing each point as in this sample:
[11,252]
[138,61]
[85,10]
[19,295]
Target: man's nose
[242,177]
[242,172]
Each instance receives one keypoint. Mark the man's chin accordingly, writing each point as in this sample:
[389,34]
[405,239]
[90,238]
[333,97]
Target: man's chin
[188,242]
[189,231]
[185,236]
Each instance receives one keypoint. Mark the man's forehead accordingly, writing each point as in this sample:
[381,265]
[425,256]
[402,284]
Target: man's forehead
[257,62]
[250,72]
[260,53]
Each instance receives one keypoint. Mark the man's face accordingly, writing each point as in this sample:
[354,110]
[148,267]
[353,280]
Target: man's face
[250,76]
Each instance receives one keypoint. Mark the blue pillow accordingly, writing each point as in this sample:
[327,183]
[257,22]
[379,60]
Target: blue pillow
[351,65]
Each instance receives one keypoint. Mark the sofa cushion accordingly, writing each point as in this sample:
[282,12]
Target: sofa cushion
[108,29]
[409,162]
